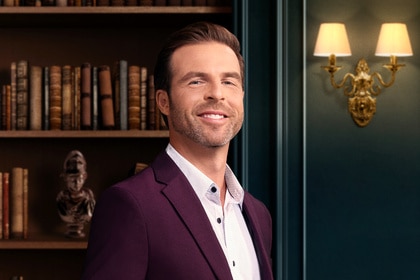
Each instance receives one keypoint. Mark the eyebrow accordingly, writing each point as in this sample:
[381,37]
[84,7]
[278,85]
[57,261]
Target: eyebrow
[193,74]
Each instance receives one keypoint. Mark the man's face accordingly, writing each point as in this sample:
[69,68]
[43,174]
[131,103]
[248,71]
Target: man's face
[205,105]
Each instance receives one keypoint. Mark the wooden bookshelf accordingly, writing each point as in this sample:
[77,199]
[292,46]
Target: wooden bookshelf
[52,243]
[100,16]
[73,35]
[84,134]
[117,10]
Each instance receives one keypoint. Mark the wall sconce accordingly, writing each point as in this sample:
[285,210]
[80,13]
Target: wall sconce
[360,87]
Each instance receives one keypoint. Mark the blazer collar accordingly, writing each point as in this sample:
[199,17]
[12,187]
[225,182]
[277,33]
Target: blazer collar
[184,200]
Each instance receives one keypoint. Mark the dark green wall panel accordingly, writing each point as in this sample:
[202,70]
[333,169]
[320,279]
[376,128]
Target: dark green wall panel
[362,184]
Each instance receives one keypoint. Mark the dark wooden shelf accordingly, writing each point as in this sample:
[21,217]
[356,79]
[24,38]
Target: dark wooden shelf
[84,134]
[117,10]
[43,244]
[143,16]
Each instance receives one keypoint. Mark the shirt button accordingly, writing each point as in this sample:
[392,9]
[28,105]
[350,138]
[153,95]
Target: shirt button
[219,220]
[213,189]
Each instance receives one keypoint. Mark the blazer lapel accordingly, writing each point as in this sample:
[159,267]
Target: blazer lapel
[184,200]
[254,228]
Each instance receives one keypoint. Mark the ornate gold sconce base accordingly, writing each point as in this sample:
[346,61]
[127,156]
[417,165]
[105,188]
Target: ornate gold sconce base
[362,109]
[360,87]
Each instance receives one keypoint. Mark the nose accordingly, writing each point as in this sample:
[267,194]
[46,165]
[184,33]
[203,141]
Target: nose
[215,92]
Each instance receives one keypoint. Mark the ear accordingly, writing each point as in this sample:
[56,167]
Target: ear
[162,101]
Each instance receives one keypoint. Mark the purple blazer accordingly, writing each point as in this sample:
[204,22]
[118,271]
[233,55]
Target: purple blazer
[153,226]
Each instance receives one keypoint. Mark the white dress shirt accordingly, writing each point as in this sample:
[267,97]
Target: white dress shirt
[227,221]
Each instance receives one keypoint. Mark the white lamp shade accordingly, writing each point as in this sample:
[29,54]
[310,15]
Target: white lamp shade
[393,40]
[332,39]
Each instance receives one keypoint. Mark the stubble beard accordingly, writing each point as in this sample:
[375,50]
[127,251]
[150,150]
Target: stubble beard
[210,137]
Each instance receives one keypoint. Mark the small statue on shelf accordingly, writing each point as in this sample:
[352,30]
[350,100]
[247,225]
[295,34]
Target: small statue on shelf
[75,203]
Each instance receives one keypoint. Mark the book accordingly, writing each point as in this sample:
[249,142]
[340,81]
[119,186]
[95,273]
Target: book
[22,95]
[122,90]
[35,98]
[67,100]
[46,99]
[55,97]
[134,97]
[25,202]
[6,220]
[95,99]
[13,93]
[86,96]
[105,95]
[16,203]
[143,98]
[117,95]
[76,95]
[6,107]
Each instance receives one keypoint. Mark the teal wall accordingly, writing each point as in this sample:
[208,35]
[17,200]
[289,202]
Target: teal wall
[362,192]
[345,200]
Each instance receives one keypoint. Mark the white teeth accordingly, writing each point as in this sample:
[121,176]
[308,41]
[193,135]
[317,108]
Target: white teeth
[213,116]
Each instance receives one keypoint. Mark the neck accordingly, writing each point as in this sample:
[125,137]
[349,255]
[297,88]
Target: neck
[209,160]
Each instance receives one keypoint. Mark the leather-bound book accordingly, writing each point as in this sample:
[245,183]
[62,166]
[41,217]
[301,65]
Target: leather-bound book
[55,97]
[22,95]
[134,97]
[86,96]
[105,97]
[35,98]
[143,98]
[76,77]
[13,93]
[121,94]
[67,100]
[46,98]
[16,203]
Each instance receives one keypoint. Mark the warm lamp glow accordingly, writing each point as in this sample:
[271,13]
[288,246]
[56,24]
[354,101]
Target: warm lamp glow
[332,39]
[393,40]
[360,87]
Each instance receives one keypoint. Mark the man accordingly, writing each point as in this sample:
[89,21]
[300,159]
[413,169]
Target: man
[186,216]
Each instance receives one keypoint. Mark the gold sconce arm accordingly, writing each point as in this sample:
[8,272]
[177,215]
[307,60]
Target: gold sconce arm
[332,68]
[393,66]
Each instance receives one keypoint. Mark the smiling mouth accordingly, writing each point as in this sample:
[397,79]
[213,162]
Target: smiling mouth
[213,116]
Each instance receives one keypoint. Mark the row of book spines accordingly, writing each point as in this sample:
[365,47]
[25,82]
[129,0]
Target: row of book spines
[80,3]
[72,97]
[14,203]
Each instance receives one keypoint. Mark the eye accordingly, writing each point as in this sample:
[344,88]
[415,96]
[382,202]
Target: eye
[230,82]
[195,82]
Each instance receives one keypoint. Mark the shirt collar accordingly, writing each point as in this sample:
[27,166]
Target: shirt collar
[201,183]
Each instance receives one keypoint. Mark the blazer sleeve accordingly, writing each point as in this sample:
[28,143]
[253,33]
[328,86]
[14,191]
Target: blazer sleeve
[117,238]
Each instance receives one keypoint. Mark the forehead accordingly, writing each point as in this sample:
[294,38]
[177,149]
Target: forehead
[210,53]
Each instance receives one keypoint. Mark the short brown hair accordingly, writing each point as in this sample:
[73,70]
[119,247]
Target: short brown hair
[192,34]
